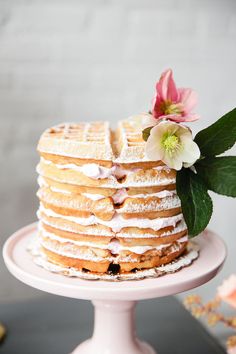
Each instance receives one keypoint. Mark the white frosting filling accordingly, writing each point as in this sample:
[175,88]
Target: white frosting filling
[118,222]
[134,181]
[185,260]
[97,232]
[179,228]
[93,170]
[93,196]
[57,190]
[114,246]
[68,250]
[97,171]
[90,230]
[41,182]
[164,204]
[162,194]
[118,198]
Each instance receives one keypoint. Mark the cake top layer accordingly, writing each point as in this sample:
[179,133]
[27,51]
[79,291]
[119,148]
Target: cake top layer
[96,141]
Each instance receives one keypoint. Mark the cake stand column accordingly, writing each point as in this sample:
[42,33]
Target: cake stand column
[114,330]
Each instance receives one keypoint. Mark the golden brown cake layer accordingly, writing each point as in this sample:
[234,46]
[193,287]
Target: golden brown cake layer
[102,266]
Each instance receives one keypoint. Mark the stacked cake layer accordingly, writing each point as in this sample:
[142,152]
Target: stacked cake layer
[103,206]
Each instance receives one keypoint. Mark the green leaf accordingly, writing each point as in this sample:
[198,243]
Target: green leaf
[195,201]
[219,174]
[218,137]
[146,133]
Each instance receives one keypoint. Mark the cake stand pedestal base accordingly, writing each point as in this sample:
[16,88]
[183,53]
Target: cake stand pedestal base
[114,301]
[114,330]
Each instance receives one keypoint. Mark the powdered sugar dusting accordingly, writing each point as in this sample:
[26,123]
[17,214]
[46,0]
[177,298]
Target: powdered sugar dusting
[111,175]
[190,255]
[114,245]
[154,205]
[118,222]
[79,140]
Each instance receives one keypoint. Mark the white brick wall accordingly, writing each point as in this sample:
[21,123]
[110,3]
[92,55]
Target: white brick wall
[99,59]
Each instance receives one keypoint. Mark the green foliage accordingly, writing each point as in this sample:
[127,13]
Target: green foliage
[146,133]
[219,174]
[195,201]
[218,137]
[214,173]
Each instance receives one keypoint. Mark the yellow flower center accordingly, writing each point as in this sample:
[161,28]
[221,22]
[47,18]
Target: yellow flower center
[168,107]
[171,143]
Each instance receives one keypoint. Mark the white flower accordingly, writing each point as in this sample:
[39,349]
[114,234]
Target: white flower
[173,144]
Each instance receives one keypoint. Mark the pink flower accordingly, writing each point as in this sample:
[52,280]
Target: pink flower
[173,103]
[227,291]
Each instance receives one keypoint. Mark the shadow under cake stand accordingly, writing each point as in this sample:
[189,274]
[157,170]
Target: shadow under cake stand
[114,302]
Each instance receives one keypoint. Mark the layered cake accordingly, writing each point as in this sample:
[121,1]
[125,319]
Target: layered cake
[104,207]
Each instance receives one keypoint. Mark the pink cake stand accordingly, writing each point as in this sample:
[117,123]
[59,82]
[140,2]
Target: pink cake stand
[114,302]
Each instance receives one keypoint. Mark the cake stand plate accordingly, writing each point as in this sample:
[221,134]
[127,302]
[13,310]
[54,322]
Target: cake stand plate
[114,302]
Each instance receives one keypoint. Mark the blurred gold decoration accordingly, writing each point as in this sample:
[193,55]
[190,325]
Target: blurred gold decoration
[231,342]
[2,332]
[210,310]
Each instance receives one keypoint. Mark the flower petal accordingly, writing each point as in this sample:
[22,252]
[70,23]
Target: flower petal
[148,121]
[154,149]
[166,87]
[173,117]
[190,152]
[174,162]
[191,117]
[156,106]
[189,99]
